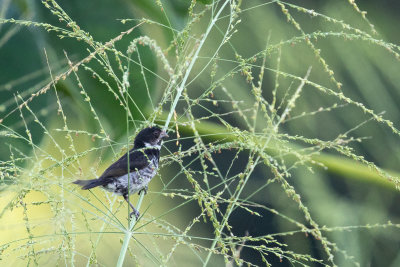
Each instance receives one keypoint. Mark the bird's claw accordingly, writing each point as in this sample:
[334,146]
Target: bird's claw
[144,189]
[134,213]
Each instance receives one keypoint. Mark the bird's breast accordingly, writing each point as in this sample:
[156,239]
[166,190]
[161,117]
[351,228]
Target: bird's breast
[137,180]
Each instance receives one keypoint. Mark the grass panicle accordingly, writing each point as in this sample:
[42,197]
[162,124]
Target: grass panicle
[238,119]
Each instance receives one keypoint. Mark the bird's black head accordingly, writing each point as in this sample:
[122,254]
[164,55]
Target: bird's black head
[150,137]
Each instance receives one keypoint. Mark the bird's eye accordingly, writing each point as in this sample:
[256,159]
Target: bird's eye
[156,134]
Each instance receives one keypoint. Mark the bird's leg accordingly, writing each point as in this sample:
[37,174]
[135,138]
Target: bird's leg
[144,189]
[134,211]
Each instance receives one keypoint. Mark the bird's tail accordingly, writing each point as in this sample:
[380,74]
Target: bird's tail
[87,184]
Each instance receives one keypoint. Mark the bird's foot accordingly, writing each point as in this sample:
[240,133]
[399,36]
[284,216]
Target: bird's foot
[144,189]
[134,213]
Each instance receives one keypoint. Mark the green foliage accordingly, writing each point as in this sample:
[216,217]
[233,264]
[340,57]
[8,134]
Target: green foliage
[268,103]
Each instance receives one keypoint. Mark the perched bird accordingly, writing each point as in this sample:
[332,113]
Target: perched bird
[143,165]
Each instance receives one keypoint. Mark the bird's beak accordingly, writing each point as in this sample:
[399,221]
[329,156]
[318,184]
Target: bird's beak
[163,134]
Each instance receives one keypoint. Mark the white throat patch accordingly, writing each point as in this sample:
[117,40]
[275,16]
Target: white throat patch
[150,145]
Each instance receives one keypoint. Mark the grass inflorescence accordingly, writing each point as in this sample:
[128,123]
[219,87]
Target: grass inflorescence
[240,117]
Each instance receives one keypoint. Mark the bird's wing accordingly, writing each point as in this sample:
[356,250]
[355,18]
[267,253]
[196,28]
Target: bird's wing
[137,161]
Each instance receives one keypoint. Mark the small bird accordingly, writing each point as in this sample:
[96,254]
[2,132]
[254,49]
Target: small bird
[143,165]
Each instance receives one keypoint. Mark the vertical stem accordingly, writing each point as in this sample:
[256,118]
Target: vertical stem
[131,222]
[128,233]
[196,54]
[228,213]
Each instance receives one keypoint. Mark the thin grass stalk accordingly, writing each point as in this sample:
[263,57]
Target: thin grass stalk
[128,233]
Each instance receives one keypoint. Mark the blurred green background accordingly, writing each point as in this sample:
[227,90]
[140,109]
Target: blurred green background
[344,194]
